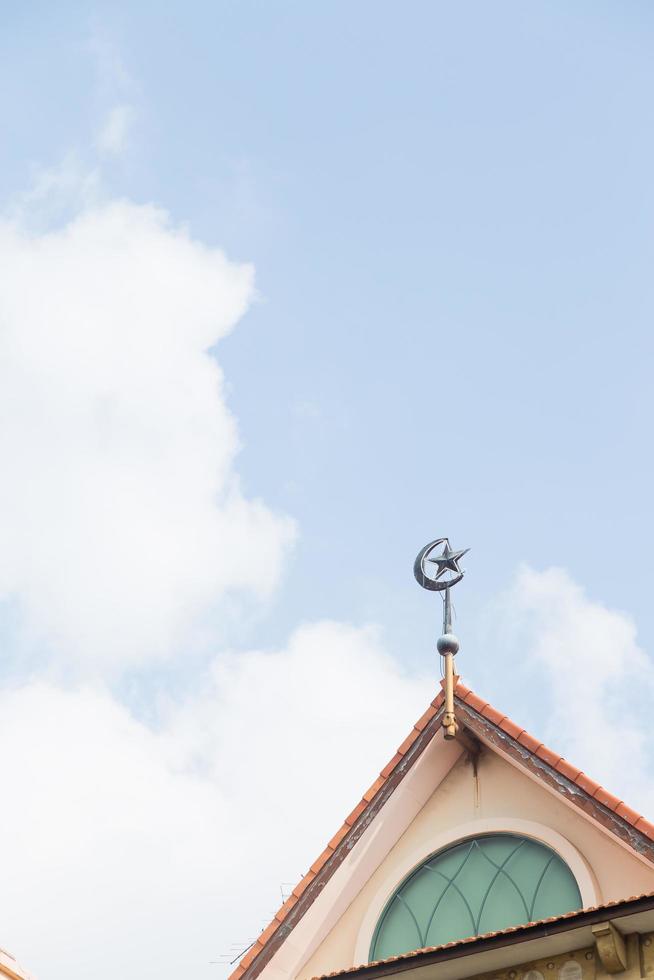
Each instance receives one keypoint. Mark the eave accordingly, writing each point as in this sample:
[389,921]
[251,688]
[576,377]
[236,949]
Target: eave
[510,947]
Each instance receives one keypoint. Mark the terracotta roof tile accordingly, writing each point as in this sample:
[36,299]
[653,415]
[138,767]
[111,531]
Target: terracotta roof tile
[303,884]
[286,907]
[631,816]
[408,742]
[607,799]
[475,701]
[567,769]
[645,827]
[356,813]
[493,714]
[264,936]
[551,758]
[464,694]
[388,768]
[424,720]
[529,742]
[510,727]
[251,955]
[338,836]
[325,856]
[372,791]
[487,935]
[587,784]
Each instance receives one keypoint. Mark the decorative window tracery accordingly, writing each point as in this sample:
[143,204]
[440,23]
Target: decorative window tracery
[480,885]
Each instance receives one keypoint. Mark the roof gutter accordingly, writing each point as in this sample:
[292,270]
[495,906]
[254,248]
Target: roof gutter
[519,934]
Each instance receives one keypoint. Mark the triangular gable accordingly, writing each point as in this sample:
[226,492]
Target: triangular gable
[496,732]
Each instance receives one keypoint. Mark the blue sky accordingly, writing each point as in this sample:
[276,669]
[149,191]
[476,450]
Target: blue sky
[449,211]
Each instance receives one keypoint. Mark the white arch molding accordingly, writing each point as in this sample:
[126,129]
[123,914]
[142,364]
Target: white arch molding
[586,881]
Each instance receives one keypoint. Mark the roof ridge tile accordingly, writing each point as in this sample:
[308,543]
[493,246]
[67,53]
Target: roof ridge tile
[303,884]
[608,799]
[390,766]
[493,714]
[408,742]
[586,783]
[286,907]
[425,718]
[548,756]
[529,742]
[567,769]
[322,859]
[627,813]
[645,827]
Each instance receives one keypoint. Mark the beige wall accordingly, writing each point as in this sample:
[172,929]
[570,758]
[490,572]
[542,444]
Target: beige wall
[501,797]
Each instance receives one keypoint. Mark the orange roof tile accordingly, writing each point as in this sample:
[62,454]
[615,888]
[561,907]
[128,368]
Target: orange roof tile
[490,715]
[416,953]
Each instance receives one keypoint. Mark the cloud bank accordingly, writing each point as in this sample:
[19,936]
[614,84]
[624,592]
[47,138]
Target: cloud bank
[595,683]
[121,516]
[151,852]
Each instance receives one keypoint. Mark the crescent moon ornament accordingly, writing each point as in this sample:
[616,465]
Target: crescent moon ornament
[439,574]
[436,579]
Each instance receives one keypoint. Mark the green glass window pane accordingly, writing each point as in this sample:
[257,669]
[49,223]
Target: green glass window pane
[527,865]
[555,891]
[480,885]
[449,918]
[400,929]
[424,888]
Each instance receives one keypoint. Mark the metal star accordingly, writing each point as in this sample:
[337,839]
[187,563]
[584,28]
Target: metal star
[448,561]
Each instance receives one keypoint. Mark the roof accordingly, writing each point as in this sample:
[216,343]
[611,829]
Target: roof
[491,726]
[534,747]
[10,968]
[555,923]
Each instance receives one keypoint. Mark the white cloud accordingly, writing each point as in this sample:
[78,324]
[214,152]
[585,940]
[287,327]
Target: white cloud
[121,517]
[158,849]
[55,193]
[112,138]
[594,683]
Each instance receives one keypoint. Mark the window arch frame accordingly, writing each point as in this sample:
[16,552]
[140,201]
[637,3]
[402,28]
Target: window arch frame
[399,871]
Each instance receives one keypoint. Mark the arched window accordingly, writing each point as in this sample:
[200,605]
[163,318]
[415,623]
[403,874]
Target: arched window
[481,885]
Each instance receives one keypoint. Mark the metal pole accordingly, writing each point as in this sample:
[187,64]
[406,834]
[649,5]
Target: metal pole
[447,644]
[449,721]
[447,612]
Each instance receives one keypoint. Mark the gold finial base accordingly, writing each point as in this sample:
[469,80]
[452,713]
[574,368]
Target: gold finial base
[449,683]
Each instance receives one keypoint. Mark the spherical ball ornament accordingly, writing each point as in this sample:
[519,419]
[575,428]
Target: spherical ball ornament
[447,643]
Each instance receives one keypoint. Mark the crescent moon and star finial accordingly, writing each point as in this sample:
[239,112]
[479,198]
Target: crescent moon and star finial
[438,573]
[447,561]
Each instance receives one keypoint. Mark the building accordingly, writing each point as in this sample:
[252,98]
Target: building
[10,969]
[481,855]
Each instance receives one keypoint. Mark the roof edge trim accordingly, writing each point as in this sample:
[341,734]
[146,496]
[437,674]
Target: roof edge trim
[563,785]
[312,884]
[497,940]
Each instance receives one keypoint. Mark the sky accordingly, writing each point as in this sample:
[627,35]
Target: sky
[286,291]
